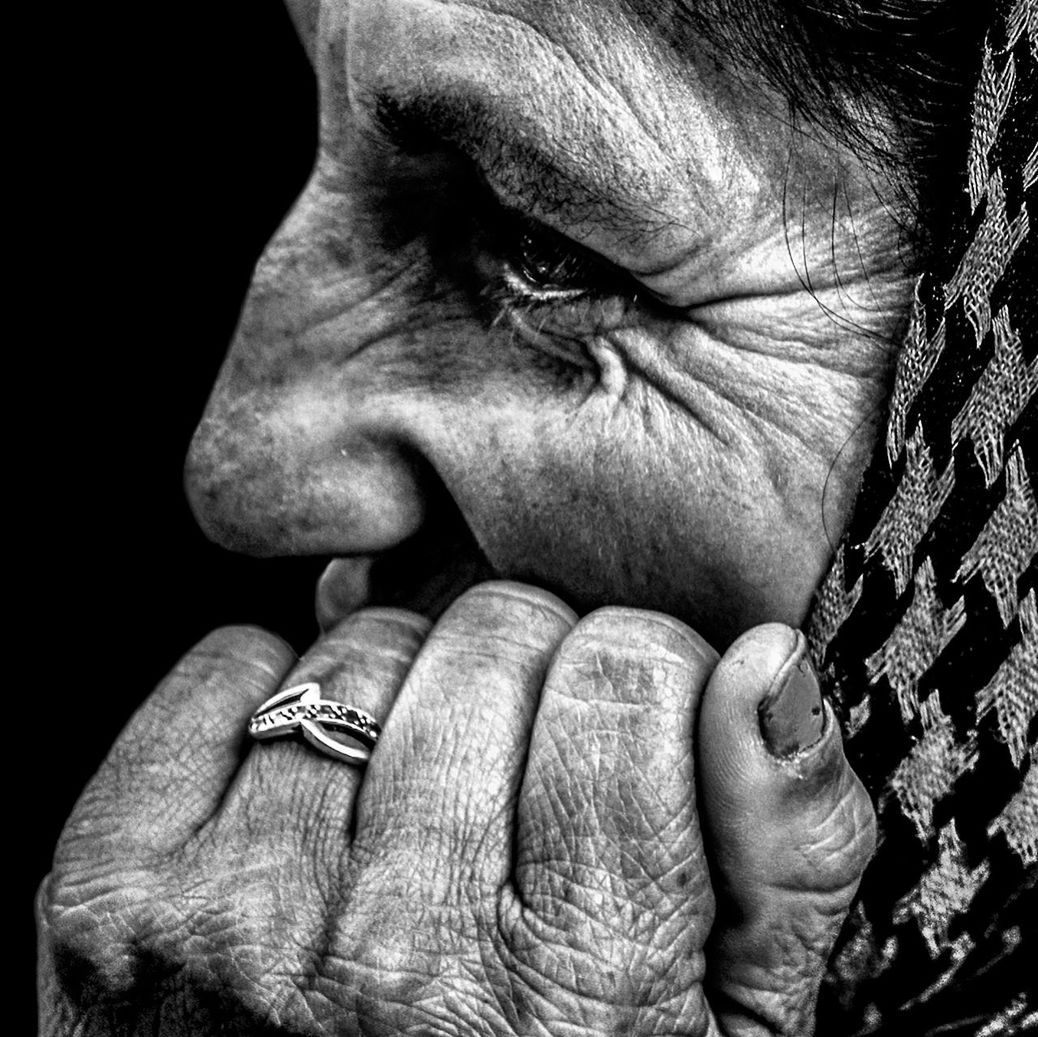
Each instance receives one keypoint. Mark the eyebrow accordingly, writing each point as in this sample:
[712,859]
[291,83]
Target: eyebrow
[516,161]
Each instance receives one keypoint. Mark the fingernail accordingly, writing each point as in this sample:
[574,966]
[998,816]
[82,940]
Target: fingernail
[791,715]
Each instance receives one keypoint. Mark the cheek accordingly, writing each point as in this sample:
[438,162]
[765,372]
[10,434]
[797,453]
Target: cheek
[605,508]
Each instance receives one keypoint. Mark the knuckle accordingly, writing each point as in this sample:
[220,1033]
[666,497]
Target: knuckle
[119,936]
[836,842]
[379,972]
[89,927]
[586,969]
[499,625]
[638,628]
[619,654]
[392,622]
[247,648]
[372,648]
[240,639]
[407,959]
[393,636]
[513,599]
[858,824]
[831,806]
[779,995]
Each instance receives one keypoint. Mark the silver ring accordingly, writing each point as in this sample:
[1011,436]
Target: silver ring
[301,709]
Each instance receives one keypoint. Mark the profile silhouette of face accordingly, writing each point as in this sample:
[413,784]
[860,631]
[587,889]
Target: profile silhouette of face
[559,302]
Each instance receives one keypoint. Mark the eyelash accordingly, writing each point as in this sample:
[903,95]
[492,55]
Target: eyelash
[546,266]
[555,292]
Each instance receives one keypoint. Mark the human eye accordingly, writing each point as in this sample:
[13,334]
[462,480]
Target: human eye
[543,265]
[555,293]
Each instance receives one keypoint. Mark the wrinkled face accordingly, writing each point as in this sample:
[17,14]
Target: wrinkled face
[561,301]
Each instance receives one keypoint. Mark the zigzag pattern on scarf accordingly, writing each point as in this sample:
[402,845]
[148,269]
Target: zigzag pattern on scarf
[925,630]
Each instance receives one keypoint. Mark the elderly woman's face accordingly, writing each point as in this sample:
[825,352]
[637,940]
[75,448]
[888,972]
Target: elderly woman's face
[564,291]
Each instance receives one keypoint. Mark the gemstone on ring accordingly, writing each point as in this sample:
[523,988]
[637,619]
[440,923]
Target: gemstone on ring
[301,709]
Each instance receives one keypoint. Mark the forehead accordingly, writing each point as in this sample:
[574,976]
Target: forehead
[568,109]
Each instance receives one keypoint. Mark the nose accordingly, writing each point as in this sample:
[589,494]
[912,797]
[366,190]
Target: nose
[302,448]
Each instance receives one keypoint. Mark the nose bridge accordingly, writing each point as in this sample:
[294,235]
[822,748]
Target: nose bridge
[328,284]
[290,454]
[308,271]
[297,450]
[305,15]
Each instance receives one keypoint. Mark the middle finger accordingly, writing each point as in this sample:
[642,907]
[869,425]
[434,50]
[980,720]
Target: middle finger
[441,795]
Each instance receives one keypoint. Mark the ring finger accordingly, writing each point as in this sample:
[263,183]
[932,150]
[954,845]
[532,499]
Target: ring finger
[288,785]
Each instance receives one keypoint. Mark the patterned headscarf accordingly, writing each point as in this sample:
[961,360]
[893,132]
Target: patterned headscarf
[925,630]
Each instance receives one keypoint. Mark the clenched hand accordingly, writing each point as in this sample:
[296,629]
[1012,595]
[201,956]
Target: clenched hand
[534,847]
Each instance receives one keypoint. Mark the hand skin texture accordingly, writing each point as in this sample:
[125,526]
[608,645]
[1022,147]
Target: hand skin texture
[523,855]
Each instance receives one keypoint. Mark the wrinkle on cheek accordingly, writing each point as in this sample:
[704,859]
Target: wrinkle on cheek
[791,428]
[653,512]
[663,388]
[612,372]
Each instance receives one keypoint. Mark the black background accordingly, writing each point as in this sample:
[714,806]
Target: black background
[172,140]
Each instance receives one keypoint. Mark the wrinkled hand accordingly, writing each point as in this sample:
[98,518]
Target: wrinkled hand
[524,854]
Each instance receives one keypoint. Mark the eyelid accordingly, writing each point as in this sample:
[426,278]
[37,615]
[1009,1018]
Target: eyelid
[611,297]
[603,277]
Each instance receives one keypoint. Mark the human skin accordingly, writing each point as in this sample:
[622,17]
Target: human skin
[524,854]
[686,436]
[679,427]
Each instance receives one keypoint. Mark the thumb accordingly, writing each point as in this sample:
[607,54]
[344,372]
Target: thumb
[791,828]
